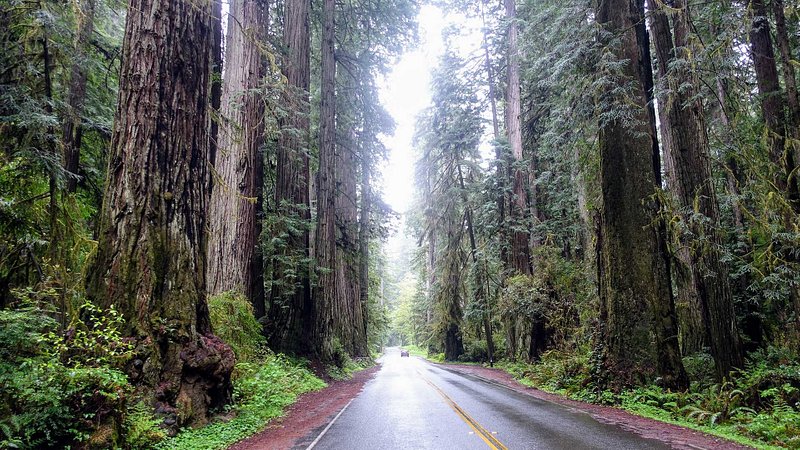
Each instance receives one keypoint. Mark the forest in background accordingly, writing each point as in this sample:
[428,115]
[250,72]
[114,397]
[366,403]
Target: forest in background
[607,206]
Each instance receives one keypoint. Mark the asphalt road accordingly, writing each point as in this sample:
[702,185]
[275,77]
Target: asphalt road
[412,404]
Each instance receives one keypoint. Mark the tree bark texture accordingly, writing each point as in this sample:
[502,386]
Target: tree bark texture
[639,335]
[216,84]
[76,97]
[693,186]
[290,301]
[693,336]
[327,311]
[353,338]
[773,104]
[520,254]
[364,236]
[774,109]
[234,259]
[150,261]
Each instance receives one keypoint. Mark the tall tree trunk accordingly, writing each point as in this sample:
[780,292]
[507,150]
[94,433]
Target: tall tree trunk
[364,236]
[773,108]
[480,268]
[694,188]
[773,103]
[76,97]
[520,254]
[634,284]
[693,336]
[327,311]
[347,246]
[234,261]
[290,300]
[150,261]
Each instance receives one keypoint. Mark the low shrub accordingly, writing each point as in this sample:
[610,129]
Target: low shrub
[759,405]
[60,389]
[263,389]
[233,321]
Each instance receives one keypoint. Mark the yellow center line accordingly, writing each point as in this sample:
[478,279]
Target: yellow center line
[483,433]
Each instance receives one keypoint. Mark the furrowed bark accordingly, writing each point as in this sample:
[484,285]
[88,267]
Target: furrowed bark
[639,336]
[234,259]
[150,261]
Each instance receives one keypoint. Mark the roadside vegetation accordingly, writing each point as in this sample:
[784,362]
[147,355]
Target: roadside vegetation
[68,390]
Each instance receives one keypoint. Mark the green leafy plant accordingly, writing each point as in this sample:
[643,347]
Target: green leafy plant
[55,395]
[233,321]
[261,392]
[141,427]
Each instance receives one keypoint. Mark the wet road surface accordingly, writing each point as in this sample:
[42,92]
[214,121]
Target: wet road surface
[412,404]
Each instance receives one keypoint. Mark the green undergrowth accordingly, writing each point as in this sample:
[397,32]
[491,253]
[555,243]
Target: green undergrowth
[418,351]
[264,383]
[61,386]
[262,389]
[759,406]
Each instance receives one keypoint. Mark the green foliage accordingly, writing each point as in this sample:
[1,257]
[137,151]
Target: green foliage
[93,339]
[233,321]
[141,427]
[557,371]
[54,394]
[348,367]
[758,406]
[261,392]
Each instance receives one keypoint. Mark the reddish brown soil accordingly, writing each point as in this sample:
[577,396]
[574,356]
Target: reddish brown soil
[677,437]
[313,410]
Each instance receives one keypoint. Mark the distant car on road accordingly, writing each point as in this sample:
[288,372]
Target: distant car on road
[403,352]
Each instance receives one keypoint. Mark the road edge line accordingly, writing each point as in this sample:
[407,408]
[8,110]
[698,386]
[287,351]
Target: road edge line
[329,426]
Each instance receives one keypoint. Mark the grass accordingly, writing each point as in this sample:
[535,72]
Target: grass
[261,393]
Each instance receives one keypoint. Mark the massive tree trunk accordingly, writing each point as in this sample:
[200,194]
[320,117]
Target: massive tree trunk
[520,255]
[364,236]
[76,97]
[773,103]
[774,110]
[290,299]
[234,262]
[150,260]
[639,335]
[326,309]
[693,337]
[346,207]
[692,184]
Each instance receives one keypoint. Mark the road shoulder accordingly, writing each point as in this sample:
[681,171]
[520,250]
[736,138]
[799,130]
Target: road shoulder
[311,411]
[677,436]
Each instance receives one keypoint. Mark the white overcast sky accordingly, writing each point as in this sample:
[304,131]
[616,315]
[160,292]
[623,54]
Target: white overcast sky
[405,92]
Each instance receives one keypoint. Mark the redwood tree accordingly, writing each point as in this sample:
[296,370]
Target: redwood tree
[639,334]
[688,150]
[326,309]
[520,253]
[150,262]
[234,264]
[290,307]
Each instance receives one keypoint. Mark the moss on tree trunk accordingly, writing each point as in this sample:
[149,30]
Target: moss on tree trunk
[150,261]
